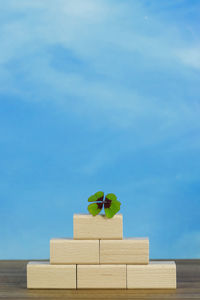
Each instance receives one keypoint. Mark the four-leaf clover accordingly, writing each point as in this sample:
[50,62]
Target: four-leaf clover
[110,203]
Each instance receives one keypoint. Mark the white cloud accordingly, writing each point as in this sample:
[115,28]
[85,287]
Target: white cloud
[190,56]
[115,41]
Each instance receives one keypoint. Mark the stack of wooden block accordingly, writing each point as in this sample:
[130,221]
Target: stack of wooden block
[98,257]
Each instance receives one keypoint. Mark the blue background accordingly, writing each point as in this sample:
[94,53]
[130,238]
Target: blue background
[99,95]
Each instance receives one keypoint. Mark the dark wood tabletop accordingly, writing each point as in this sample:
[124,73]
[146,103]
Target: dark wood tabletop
[13,285]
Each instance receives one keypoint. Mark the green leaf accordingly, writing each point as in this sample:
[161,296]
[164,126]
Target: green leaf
[92,198]
[113,209]
[111,196]
[96,196]
[94,209]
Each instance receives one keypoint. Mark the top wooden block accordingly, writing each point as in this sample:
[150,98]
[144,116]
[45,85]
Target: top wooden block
[99,227]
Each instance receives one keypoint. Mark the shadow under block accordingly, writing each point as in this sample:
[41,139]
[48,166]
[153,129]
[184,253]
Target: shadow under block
[69,251]
[127,251]
[42,275]
[98,227]
[101,276]
[155,275]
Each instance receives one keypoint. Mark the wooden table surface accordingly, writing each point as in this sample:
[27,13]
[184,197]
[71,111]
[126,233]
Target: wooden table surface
[13,285]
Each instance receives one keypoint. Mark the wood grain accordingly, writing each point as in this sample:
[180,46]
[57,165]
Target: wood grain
[155,275]
[68,251]
[13,286]
[99,227]
[101,276]
[127,251]
[42,275]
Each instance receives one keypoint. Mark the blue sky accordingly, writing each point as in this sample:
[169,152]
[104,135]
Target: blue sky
[99,95]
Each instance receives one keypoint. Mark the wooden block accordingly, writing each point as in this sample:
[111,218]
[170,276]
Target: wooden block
[42,275]
[101,276]
[98,227]
[155,275]
[127,251]
[68,251]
